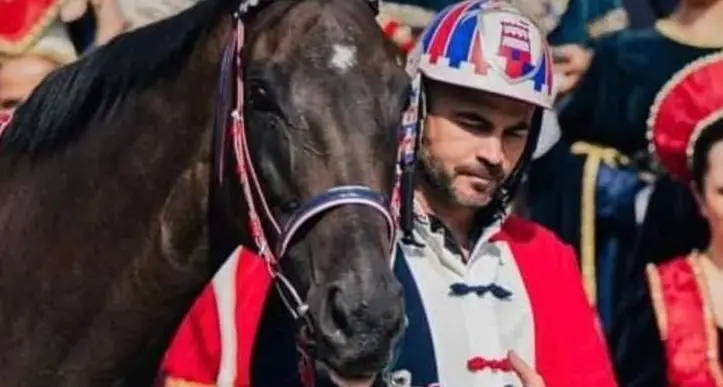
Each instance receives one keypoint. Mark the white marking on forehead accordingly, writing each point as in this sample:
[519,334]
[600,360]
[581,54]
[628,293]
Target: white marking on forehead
[343,57]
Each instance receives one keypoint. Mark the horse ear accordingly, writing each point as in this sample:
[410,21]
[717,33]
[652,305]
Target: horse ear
[247,7]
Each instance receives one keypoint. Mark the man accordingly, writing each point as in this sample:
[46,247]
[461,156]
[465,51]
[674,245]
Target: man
[489,299]
[477,283]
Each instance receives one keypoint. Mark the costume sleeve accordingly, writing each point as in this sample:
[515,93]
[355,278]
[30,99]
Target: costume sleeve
[580,357]
[638,351]
[594,104]
[604,17]
[571,27]
[194,355]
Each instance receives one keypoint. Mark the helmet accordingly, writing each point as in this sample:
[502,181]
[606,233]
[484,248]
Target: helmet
[486,45]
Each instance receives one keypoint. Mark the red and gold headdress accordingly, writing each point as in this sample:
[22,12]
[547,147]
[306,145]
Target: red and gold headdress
[687,104]
[23,22]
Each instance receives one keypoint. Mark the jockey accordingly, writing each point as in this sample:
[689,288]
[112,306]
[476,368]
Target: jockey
[480,284]
[490,298]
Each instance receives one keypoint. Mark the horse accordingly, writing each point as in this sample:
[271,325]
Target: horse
[123,190]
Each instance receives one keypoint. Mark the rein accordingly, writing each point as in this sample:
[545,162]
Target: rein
[5,123]
[311,209]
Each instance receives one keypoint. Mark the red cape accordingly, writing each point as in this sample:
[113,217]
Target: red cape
[569,345]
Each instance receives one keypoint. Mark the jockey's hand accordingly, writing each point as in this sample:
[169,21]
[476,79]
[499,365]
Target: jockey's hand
[529,377]
[571,61]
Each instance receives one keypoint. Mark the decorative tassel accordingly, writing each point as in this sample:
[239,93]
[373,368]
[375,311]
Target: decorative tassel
[462,289]
[479,363]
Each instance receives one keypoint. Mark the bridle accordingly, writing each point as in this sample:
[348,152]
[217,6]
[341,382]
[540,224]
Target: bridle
[4,123]
[313,208]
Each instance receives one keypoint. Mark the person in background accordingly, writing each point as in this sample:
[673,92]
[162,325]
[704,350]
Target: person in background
[643,14]
[573,28]
[573,25]
[21,73]
[669,327]
[95,22]
[414,17]
[140,13]
[32,44]
[397,32]
[599,202]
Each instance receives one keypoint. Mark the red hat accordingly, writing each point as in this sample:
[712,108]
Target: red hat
[687,104]
[22,23]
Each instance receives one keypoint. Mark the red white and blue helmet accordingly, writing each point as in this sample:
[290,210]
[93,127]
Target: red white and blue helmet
[486,45]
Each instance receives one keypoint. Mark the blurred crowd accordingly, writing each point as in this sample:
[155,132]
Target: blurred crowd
[38,36]
[629,171]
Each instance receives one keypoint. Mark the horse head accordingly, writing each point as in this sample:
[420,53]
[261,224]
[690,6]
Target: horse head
[322,100]
[109,202]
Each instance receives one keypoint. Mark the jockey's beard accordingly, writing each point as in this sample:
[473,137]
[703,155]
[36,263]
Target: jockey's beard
[442,184]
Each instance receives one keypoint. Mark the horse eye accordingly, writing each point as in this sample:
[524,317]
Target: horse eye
[259,94]
[261,99]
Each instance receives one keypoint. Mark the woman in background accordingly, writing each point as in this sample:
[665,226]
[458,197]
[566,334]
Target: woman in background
[669,329]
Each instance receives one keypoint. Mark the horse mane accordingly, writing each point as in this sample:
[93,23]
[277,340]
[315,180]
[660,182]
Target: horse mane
[63,105]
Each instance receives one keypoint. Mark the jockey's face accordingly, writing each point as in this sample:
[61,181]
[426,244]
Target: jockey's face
[472,140]
[18,77]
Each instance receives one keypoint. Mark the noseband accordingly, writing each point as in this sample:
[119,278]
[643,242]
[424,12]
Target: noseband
[313,208]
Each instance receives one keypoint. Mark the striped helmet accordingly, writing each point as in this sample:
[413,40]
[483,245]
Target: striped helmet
[486,45]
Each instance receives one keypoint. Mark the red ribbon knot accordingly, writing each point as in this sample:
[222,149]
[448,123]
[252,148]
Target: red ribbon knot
[478,363]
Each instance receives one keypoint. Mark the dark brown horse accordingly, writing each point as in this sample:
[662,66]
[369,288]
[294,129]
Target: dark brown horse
[113,216]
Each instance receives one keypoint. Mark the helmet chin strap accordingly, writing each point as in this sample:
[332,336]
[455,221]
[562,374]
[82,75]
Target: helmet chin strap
[412,123]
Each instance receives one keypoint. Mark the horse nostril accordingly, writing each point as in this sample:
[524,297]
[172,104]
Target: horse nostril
[339,311]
